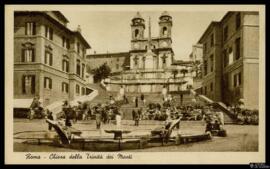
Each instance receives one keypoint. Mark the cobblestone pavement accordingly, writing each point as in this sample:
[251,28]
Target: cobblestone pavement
[240,137]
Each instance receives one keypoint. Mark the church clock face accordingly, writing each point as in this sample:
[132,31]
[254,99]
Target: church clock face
[164,44]
[136,46]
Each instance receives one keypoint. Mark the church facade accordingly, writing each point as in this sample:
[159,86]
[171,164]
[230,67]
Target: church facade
[161,46]
[151,60]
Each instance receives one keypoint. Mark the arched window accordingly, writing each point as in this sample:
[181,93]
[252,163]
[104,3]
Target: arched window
[146,47]
[136,33]
[165,31]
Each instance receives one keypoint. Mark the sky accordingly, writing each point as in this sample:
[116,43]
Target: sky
[110,31]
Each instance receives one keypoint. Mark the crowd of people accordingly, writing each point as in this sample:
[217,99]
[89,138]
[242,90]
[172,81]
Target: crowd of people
[102,113]
[170,109]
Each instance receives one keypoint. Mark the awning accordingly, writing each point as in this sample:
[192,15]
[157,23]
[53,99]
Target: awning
[22,103]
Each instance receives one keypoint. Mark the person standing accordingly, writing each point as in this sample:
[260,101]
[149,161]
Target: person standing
[98,117]
[122,92]
[117,117]
[50,117]
[35,107]
[164,92]
[142,98]
[220,117]
[67,112]
[136,101]
[181,98]
[136,118]
[133,114]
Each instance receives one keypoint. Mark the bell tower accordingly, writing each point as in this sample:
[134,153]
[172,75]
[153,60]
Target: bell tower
[137,27]
[165,56]
[165,25]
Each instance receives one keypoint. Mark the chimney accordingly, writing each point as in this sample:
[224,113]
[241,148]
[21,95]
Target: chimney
[79,29]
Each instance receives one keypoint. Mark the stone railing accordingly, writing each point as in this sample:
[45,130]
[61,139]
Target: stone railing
[146,81]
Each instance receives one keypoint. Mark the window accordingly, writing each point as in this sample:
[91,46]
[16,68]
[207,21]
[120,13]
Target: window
[65,65]
[65,87]
[205,67]
[135,60]
[225,33]
[49,32]
[211,63]
[136,33]
[212,40]
[68,44]
[47,83]
[28,55]
[225,58]
[237,48]
[230,56]
[211,87]
[163,61]
[117,66]
[205,90]
[78,47]
[237,79]
[78,68]
[117,59]
[83,67]
[48,58]
[143,61]
[30,28]
[28,84]
[234,80]
[165,31]
[205,47]
[83,52]
[237,21]
[83,91]
[77,89]
[63,41]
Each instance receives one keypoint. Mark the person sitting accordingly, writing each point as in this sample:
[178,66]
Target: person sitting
[216,125]
[35,107]
[209,126]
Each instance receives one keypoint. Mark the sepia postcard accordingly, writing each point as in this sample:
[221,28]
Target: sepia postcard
[135,84]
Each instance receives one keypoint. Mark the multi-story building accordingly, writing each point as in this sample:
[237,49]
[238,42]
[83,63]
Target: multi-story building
[49,58]
[211,70]
[230,59]
[116,61]
[241,57]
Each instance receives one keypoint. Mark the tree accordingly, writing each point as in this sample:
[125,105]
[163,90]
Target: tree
[101,72]
[184,71]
